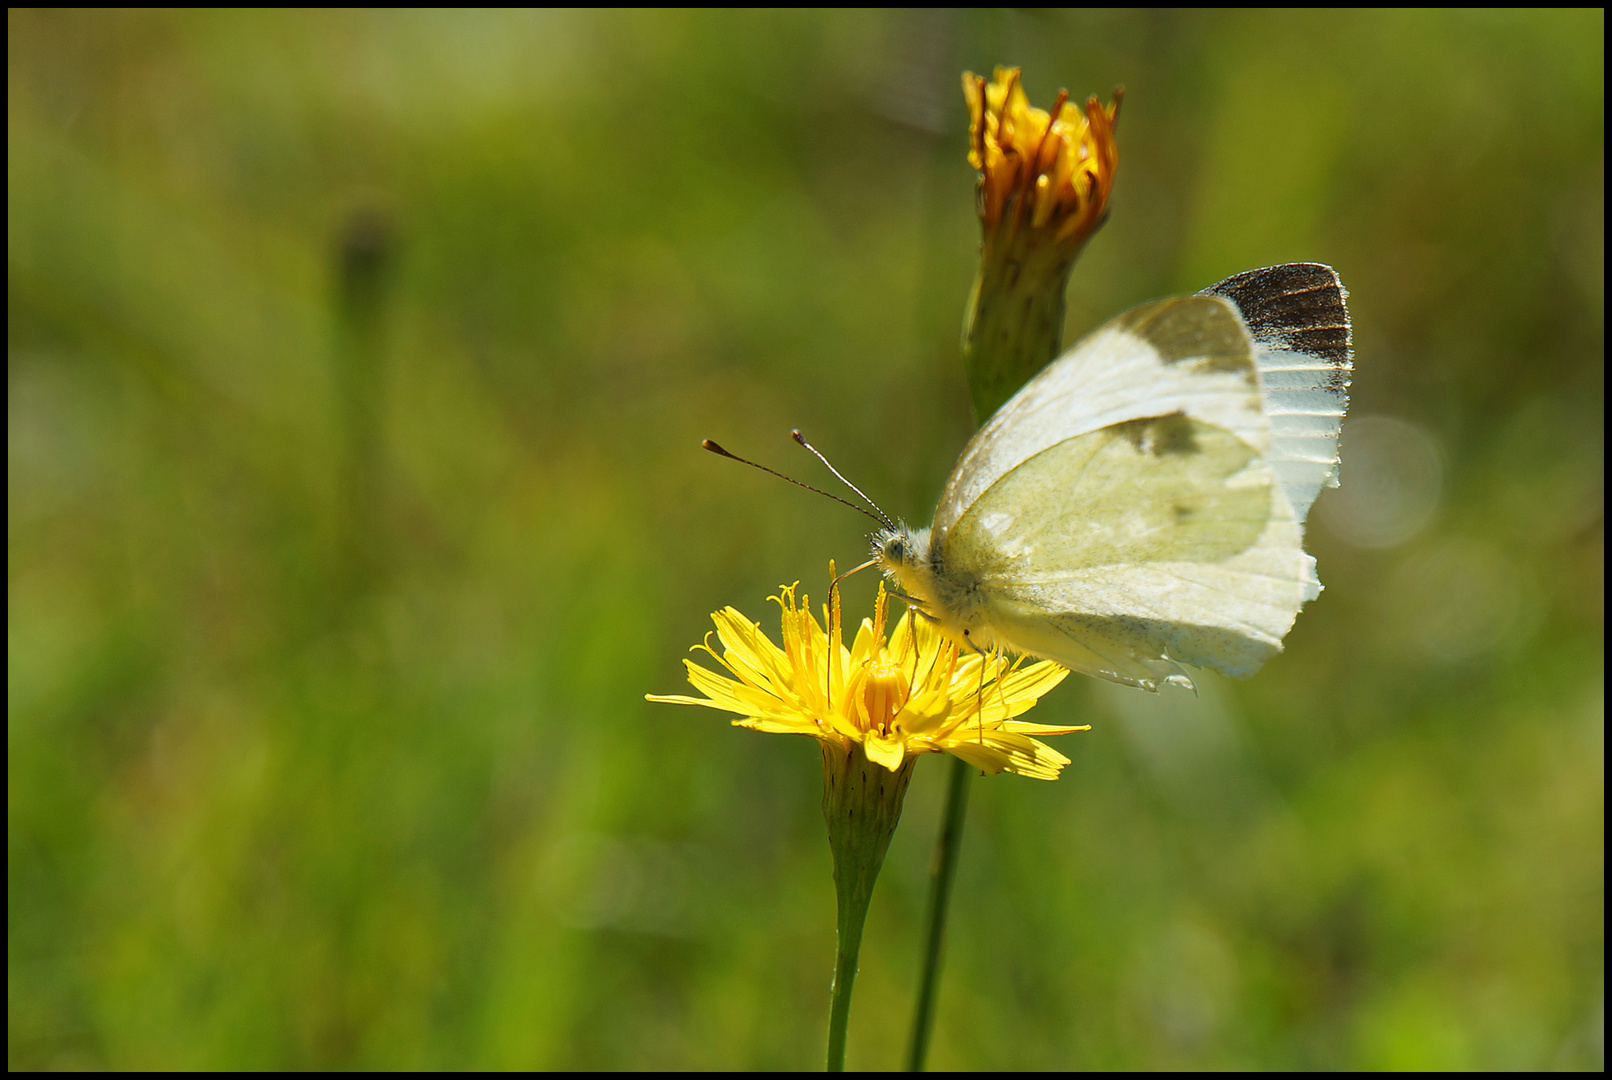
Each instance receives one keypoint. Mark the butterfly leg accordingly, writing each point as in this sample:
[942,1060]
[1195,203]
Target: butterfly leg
[979,696]
[912,602]
[914,606]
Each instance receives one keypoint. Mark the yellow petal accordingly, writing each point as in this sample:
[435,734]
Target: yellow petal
[682,699]
[983,757]
[779,725]
[889,752]
[1020,727]
[730,695]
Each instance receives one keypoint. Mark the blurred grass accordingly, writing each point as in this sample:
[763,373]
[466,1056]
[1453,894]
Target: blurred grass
[357,366]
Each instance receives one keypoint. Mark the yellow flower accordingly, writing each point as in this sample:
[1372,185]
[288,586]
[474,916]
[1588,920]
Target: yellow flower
[1052,171]
[906,694]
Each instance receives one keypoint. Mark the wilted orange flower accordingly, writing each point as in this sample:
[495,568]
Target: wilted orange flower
[1045,171]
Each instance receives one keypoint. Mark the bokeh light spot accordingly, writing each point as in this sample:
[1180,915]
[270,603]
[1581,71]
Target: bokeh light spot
[1390,481]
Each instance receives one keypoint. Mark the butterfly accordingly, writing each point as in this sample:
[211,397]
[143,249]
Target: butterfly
[1139,505]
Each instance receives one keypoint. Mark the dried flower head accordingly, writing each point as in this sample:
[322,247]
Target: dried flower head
[1050,172]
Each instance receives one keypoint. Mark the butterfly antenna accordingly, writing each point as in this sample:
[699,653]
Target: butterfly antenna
[715,449]
[798,437]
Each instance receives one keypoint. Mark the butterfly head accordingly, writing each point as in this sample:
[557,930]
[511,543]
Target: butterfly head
[904,556]
[897,546]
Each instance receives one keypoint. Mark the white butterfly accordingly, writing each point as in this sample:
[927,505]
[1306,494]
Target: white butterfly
[1140,503]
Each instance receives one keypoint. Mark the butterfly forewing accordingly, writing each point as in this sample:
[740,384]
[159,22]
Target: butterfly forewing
[1300,324]
[1188,355]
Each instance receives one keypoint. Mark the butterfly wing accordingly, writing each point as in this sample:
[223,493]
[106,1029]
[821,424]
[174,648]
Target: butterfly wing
[1300,324]
[1187,354]
[1133,548]
[1119,515]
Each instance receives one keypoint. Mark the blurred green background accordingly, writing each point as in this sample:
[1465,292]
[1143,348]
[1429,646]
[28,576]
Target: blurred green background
[357,367]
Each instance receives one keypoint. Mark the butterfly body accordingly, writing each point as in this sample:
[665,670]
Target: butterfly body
[1139,505]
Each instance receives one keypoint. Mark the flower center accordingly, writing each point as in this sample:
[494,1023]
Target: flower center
[881,695]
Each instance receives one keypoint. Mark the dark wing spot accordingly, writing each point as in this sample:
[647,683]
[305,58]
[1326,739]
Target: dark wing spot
[1198,329]
[1160,435]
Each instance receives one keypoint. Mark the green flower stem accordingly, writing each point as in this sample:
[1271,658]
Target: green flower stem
[940,888]
[862,805]
[852,915]
[1014,324]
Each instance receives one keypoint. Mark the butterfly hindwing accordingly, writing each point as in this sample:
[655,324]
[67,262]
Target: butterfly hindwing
[1124,550]
[1159,489]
